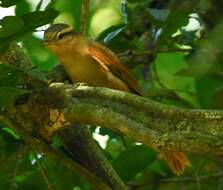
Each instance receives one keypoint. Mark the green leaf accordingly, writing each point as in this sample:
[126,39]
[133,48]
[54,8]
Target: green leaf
[61,177]
[39,5]
[12,79]
[132,161]
[22,8]
[10,76]
[161,168]
[39,55]
[36,19]
[11,132]
[8,96]
[166,66]
[8,3]
[175,21]
[31,21]
[51,5]
[135,1]
[209,90]
[2,141]
[56,142]
[114,147]
[21,178]
[10,25]
[11,143]
[5,69]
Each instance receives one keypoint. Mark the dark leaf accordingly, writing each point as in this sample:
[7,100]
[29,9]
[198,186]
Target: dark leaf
[8,96]
[8,3]
[208,88]
[11,79]
[10,76]
[135,1]
[175,21]
[10,25]
[36,19]
[38,7]
[31,21]
[132,161]
[5,69]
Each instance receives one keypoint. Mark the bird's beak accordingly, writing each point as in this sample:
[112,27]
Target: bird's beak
[46,43]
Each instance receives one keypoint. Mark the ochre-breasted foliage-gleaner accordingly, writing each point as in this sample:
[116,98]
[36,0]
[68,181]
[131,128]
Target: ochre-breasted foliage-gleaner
[90,62]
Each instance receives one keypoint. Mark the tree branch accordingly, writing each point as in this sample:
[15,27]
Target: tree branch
[40,146]
[163,127]
[46,111]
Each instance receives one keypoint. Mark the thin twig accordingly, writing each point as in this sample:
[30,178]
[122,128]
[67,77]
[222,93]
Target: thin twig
[20,155]
[192,179]
[165,50]
[84,16]
[44,174]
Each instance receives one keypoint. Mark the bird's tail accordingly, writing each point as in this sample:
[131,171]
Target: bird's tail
[177,161]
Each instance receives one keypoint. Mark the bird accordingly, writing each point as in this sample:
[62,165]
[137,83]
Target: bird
[87,61]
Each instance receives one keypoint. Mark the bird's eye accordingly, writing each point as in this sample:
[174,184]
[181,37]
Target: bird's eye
[60,36]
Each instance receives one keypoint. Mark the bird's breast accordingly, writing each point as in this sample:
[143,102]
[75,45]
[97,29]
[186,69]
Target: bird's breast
[81,68]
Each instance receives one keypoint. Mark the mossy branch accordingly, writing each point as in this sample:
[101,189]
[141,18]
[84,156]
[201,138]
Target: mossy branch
[163,127]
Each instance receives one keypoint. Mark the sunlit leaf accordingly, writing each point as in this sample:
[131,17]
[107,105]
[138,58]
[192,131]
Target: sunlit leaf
[11,132]
[167,65]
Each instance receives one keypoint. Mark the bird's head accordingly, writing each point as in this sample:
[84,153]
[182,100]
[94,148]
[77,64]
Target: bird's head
[58,34]
[61,39]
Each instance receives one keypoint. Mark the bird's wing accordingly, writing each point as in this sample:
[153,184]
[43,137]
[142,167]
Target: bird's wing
[109,61]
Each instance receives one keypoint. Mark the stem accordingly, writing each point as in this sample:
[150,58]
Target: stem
[84,16]
[44,175]
[165,50]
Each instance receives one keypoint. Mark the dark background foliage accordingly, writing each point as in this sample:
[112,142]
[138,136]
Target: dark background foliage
[173,48]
